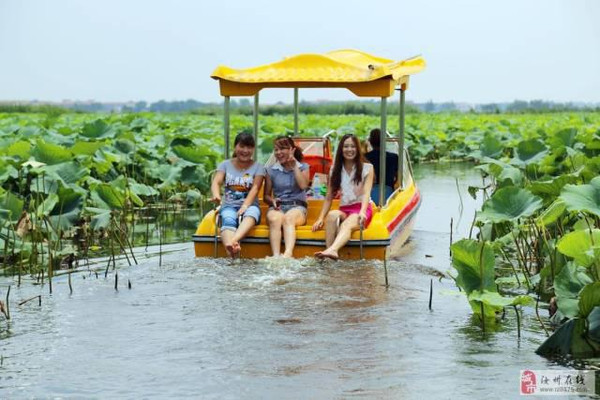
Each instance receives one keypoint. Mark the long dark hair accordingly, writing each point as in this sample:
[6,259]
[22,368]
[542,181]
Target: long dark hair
[336,175]
[245,139]
[286,142]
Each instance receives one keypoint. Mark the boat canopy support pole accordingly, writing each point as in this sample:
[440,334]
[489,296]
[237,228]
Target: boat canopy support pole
[255,115]
[382,151]
[296,111]
[226,126]
[401,139]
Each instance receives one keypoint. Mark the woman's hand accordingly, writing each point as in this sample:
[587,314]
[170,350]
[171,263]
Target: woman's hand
[290,163]
[276,204]
[242,210]
[362,218]
[317,225]
[216,199]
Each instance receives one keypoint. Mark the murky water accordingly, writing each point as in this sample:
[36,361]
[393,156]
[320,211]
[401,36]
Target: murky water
[201,328]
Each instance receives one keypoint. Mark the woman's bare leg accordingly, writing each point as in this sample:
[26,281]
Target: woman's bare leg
[241,232]
[227,240]
[275,220]
[350,224]
[291,219]
[331,226]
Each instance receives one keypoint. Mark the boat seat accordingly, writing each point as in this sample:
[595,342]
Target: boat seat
[314,208]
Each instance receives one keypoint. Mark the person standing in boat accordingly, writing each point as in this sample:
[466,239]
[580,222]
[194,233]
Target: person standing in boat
[352,179]
[285,193]
[242,178]
[391,166]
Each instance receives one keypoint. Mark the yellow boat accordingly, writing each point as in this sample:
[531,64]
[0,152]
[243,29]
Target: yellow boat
[366,76]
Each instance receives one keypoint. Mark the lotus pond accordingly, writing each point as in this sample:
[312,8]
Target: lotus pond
[203,328]
[78,186]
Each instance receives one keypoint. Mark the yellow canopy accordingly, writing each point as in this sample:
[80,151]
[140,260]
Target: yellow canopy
[363,74]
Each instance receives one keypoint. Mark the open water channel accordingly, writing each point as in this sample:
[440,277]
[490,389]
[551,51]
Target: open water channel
[271,329]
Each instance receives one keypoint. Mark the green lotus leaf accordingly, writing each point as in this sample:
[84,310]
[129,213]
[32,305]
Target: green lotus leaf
[551,214]
[505,174]
[182,141]
[108,197]
[11,206]
[567,284]
[168,175]
[581,346]
[530,151]
[100,217]
[21,149]
[491,146]
[583,223]
[110,156]
[47,205]
[30,131]
[7,171]
[495,299]
[579,245]
[511,280]
[139,124]
[583,197]
[122,184]
[50,153]
[510,176]
[124,145]
[142,190]
[85,148]
[97,129]
[101,164]
[195,175]
[509,204]
[589,298]
[559,343]
[68,209]
[197,155]
[569,339]
[51,136]
[594,324]
[157,142]
[192,196]
[474,262]
[493,303]
[472,190]
[135,199]
[48,177]
[68,173]
[563,138]
[150,154]
[551,188]
[594,142]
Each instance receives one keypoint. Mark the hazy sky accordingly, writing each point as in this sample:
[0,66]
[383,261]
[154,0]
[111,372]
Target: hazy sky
[118,50]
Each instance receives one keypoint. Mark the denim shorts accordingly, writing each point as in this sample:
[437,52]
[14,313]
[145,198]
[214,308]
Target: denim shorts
[286,208]
[229,217]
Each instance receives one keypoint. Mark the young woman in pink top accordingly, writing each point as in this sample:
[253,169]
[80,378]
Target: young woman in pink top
[353,180]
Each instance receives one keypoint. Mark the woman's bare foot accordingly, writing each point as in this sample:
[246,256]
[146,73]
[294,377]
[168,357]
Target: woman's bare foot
[237,249]
[229,250]
[332,255]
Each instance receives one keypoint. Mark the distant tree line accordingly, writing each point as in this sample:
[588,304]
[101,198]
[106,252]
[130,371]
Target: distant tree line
[34,108]
[244,107]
